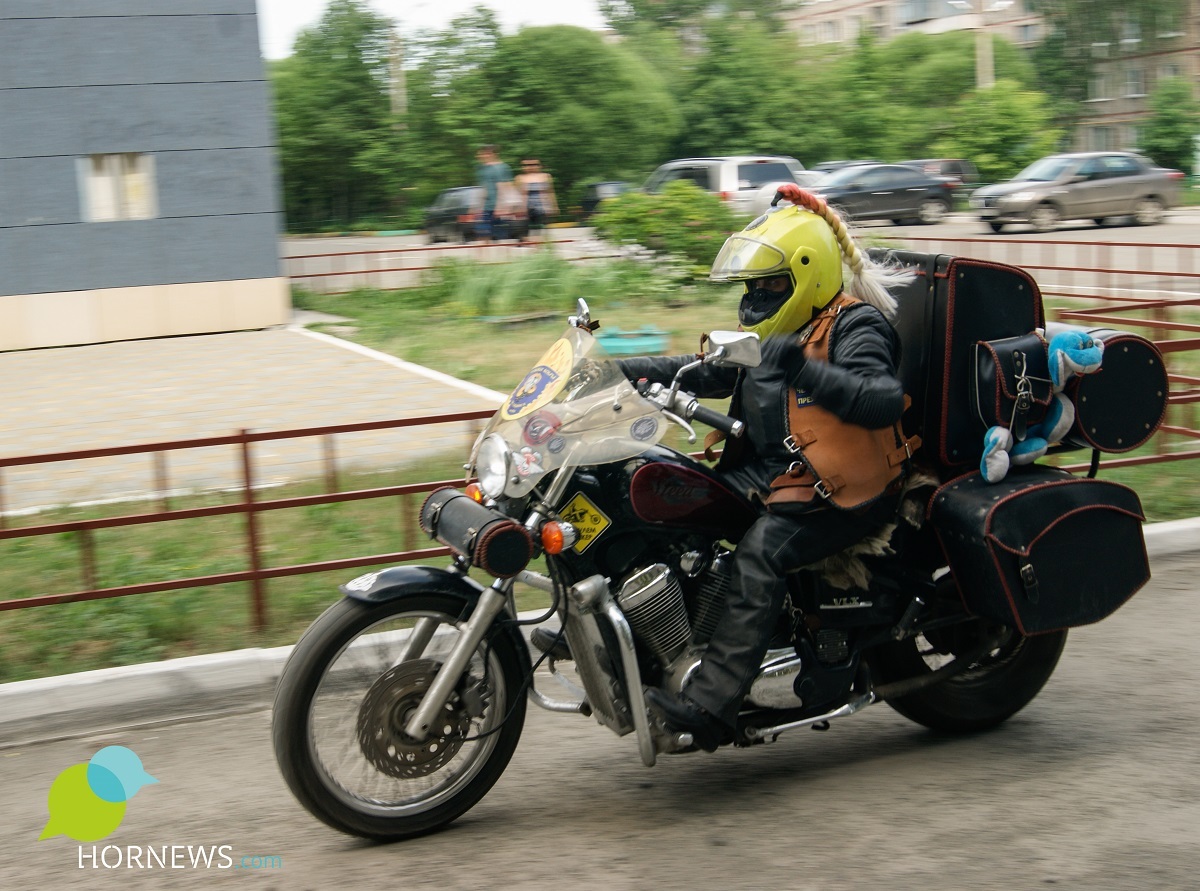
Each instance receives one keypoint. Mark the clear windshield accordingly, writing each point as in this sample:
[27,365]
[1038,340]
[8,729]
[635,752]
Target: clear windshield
[1047,170]
[575,407]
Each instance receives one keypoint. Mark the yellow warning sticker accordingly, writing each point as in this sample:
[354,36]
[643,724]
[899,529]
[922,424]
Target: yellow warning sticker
[589,521]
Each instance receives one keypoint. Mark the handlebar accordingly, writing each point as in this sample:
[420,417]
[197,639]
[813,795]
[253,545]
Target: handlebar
[683,407]
[724,423]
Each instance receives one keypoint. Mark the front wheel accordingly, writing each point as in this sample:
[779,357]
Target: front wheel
[344,699]
[988,692]
[1045,217]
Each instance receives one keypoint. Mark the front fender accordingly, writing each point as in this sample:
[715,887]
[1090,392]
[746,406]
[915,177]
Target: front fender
[397,582]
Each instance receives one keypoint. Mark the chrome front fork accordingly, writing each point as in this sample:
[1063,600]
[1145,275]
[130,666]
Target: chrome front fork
[491,603]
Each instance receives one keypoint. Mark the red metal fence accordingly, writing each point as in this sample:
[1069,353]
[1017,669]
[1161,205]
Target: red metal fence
[1157,298]
[249,507]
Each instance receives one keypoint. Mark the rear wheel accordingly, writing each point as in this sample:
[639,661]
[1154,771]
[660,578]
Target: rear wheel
[988,692]
[345,697]
[1148,212]
[932,210]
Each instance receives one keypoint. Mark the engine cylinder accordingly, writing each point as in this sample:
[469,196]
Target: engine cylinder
[652,601]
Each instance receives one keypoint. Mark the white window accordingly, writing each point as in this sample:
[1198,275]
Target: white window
[1169,70]
[1098,87]
[1135,82]
[1102,139]
[117,187]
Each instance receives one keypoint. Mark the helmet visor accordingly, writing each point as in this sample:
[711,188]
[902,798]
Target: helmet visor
[744,257]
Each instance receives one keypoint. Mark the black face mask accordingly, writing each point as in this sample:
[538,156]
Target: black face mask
[760,304]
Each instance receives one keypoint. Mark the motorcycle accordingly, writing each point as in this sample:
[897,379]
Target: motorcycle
[403,703]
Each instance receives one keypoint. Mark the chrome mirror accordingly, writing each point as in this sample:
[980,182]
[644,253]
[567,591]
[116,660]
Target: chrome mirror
[733,349]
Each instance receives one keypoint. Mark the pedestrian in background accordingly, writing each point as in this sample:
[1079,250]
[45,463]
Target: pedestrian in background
[492,174]
[537,190]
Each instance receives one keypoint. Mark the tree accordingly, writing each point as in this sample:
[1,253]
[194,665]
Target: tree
[630,16]
[1002,129]
[1169,135]
[584,107]
[337,138]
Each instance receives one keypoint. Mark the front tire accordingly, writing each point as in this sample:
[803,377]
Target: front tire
[984,695]
[342,702]
[1045,217]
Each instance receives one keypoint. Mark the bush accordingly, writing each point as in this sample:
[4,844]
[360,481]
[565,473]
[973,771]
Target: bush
[543,281]
[681,219]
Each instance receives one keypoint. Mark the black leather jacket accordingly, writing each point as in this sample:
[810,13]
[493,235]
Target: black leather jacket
[858,384]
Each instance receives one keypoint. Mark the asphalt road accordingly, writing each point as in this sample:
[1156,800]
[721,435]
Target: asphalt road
[1094,787]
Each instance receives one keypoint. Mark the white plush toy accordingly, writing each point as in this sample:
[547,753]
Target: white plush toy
[1071,351]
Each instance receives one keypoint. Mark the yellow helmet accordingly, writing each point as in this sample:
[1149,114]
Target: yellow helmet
[788,242]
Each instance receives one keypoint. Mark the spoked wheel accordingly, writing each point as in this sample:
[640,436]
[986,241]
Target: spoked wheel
[345,697]
[992,689]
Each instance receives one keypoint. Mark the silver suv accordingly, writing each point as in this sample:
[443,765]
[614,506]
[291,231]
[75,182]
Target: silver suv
[736,179]
[1083,185]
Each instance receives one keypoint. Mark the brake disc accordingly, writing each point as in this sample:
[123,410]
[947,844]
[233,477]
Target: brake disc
[385,710]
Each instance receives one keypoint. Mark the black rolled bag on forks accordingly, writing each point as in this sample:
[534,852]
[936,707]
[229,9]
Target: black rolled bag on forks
[1041,550]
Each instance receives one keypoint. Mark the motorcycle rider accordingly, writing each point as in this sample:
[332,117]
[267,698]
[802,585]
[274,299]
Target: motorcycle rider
[791,261]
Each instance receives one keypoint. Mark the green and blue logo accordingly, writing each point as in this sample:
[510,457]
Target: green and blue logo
[87,801]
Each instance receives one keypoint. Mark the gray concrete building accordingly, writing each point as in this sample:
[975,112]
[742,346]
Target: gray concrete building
[139,194]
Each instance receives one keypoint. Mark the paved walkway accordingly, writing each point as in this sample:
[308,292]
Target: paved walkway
[168,389]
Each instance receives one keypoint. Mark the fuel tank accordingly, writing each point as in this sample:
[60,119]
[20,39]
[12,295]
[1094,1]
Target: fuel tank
[670,489]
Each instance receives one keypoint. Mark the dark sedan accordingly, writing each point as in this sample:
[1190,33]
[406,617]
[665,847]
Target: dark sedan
[888,192]
[457,214]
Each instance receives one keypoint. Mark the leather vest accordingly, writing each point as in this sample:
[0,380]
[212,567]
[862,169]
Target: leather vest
[846,465]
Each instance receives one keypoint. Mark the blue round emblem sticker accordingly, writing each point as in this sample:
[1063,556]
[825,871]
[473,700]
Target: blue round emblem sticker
[644,429]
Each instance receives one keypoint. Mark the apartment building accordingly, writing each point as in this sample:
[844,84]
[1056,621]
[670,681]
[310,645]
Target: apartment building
[1126,73]
[842,21]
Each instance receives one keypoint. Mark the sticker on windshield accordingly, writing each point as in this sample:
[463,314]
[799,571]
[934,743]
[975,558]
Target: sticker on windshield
[644,429]
[541,427]
[542,384]
[589,521]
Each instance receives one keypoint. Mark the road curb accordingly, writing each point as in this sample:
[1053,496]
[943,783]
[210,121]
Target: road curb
[91,702]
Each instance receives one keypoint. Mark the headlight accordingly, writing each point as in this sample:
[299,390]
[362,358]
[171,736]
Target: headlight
[502,472]
[492,464]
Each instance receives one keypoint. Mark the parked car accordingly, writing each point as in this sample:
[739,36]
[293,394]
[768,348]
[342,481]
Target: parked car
[736,179]
[457,214]
[830,166]
[951,168]
[761,202]
[1080,185]
[594,193]
[888,191]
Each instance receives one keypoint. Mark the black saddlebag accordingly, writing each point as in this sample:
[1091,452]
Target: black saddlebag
[1042,549]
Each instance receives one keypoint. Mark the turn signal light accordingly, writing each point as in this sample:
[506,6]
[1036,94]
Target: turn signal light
[557,536]
[474,492]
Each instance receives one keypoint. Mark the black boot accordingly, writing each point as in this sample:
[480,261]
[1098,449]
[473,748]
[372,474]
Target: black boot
[681,715]
[552,643]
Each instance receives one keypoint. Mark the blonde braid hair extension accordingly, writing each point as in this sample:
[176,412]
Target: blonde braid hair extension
[869,281]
